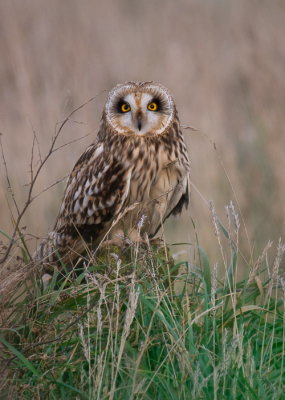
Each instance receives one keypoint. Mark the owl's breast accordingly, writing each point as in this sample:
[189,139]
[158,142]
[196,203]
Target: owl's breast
[157,195]
[158,181]
[167,191]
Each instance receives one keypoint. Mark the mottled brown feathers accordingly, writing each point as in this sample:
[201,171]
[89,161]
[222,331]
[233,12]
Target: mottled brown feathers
[130,162]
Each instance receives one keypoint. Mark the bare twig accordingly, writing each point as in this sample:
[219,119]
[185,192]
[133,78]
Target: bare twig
[47,188]
[7,176]
[73,141]
[32,158]
[36,174]
[227,175]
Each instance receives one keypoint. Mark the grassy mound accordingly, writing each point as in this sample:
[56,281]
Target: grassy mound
[119,327]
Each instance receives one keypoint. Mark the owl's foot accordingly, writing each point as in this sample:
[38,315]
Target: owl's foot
[155,241]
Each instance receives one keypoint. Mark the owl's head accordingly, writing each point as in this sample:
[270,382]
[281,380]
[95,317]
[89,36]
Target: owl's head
[139,108]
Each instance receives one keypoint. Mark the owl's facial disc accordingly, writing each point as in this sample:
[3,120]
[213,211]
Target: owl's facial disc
[140,112]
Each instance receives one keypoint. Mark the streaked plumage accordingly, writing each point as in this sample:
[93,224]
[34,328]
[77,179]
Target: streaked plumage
[139,156]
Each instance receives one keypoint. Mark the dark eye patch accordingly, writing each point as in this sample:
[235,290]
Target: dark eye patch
[119,106]
[157,101]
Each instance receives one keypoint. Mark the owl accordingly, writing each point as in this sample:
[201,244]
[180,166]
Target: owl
[136,168]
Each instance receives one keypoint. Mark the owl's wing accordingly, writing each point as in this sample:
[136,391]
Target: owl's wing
[94,195]
[184,199]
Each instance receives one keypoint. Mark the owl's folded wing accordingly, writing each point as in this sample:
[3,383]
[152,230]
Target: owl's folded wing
[95,193]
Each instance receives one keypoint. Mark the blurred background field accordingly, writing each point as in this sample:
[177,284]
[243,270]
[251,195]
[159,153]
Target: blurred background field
[224,62]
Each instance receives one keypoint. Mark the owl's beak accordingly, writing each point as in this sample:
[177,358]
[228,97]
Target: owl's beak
[139,121]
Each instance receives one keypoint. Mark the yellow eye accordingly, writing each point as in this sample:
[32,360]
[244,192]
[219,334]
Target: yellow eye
[125,107]
[152,106]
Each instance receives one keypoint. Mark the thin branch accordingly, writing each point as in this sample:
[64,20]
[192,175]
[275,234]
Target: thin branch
[35,176]
[73,141]
[7,175]
[32,158]
[44,190]
[39,149]
[191,128]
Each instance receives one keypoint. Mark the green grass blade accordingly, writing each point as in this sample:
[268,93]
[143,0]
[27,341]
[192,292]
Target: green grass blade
[207,270]
[21,357]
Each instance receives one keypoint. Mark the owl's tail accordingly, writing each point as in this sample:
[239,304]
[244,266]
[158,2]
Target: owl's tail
[46,255]
[57,249]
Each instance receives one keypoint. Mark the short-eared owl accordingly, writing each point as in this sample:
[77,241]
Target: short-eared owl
[139,159]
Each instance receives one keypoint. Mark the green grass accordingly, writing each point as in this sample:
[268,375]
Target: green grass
[142,327]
